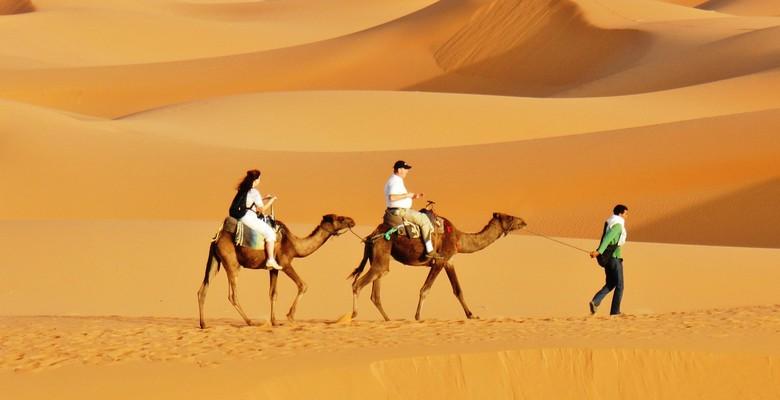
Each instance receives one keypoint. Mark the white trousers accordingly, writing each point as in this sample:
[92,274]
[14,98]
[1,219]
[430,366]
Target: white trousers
[250,219]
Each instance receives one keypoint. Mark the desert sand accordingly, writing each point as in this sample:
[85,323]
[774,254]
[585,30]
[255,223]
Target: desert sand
[125,126]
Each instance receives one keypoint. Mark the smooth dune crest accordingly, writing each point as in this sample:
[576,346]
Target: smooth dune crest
[743,7]
[687,3]
[531,48]
[10,7]
[447,46]
[345,120]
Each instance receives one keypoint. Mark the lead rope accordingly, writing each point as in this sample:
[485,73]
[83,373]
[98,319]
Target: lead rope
[556,240]
[372,238]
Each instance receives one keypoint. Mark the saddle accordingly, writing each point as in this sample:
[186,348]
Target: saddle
[405,228]
[245,236]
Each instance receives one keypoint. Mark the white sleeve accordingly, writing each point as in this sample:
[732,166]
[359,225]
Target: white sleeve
[253,197]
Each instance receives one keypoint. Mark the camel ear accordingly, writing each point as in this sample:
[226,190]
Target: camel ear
[495,215]
[327,218]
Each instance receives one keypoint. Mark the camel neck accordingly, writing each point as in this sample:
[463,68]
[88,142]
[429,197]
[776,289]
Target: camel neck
[471,242]
[305,246]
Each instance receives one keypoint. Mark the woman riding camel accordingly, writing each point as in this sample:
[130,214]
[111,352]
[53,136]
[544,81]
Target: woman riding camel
[255,204]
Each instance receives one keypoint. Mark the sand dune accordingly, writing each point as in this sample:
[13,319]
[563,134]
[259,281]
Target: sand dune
[141,32]
[531,48]
[504,357]
[680,226]
[687,3]
[737,55]
[10,7]
[743,7]
[126,124]
[368,121]
[41,155]
[403,53]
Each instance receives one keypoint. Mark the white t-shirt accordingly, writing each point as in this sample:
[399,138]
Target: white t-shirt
[395,185]
[254,197]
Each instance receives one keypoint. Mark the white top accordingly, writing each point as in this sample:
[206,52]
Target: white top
[614,220]
[395,185]
[254,197]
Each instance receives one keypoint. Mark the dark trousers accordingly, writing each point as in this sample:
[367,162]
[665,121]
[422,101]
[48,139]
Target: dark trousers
[614,273]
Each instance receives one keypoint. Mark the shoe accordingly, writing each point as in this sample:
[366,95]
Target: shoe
[593,308]
[273,264]
[433,255]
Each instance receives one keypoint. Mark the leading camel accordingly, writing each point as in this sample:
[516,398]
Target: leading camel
[411,252]
[224,251]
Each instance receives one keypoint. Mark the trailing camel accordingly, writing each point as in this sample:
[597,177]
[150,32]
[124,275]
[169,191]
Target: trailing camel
[223,251]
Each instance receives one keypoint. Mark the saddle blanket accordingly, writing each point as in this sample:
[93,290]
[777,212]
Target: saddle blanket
[242,234]
[406,228]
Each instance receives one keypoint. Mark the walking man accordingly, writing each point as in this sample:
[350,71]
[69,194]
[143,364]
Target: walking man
[399,202]
[609,256]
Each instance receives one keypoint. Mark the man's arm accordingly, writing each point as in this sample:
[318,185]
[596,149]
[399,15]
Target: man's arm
[396,197]
[611,236]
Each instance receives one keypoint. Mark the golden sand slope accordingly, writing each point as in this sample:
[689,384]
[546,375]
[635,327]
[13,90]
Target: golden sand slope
[142,268]
[659,174]
[407,51]
[531,48]
[148,31]
[688,3]
[9,7]
[41,343]
[368,121]
[398,359]
[743,7]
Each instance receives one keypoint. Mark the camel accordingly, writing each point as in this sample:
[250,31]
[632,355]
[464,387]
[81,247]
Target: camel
[288,247]
[410,251]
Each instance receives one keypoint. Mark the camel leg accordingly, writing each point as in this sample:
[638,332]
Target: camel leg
[375,297]
[378,267]
[211,271]
[301,290]
[457,290]
[369,277]
[273,276]
[426,287]
[232,273]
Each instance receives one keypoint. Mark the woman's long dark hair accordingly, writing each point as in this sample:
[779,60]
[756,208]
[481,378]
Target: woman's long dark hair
[250,177]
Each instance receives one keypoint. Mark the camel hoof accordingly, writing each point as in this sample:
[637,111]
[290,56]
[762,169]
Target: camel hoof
[345,319]
[202,325]
[473,317]
[290,317]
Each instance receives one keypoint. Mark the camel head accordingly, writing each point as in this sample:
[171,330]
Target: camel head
[509,223]
[336,224]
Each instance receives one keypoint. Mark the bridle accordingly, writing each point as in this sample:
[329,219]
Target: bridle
[504,230]
[334,233]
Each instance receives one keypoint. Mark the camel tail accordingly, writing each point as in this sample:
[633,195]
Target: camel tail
[213,259]
[366,255]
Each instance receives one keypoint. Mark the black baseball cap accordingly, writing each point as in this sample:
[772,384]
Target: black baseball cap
[401,164]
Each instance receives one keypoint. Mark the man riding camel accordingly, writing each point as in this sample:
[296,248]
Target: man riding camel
[399,203]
